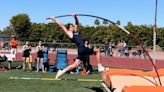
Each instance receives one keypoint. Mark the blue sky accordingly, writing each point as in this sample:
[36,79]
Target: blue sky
[137,11]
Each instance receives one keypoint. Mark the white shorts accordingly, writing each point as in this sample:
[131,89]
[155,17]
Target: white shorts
[13,51]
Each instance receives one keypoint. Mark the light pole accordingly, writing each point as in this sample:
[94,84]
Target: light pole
[154,33]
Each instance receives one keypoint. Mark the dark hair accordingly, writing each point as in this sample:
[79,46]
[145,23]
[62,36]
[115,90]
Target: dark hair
[86,40]
[14,38]
[68,26]
[26,41]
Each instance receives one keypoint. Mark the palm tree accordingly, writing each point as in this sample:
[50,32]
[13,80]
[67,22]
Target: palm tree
[97,22]
[118,22]
[105,22]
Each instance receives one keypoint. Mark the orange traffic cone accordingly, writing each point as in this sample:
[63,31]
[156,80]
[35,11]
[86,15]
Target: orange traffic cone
[84,72]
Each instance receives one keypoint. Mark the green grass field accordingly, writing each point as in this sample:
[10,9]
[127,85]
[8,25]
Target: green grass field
[12,85]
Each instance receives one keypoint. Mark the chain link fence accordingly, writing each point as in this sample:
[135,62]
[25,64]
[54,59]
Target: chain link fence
[6,46]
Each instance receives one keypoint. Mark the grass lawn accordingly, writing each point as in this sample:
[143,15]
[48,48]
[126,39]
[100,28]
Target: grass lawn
[12,85]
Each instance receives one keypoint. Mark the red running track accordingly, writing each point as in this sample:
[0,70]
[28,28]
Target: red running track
[132,63]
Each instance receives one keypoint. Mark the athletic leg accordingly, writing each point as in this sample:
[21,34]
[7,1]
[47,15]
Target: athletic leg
[30,62]
[37,65]
[41,60]
[70,67]
[85,62]
[24,63]
[29,65]
[12,51]
[98,57]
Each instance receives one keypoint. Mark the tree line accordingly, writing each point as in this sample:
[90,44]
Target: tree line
[24,29]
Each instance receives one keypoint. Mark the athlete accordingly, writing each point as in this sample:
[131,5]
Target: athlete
[26,55]
[71,31]
[39,50]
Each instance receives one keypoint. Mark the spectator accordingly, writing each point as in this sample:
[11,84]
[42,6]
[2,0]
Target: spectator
[26,55]
[118,48]
[106,48]
[110,48]
[45,57]
[86,62]
[13,44]
[132,52]
[143,53]
[39,50]
[122,48]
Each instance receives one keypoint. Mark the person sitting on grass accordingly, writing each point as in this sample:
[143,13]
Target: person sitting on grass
[72,32]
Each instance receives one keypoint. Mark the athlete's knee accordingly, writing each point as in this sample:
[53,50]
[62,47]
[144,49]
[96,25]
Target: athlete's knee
[74,65]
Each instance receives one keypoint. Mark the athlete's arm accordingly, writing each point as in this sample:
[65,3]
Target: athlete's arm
[37,48]
[29,47]
[60,25]
[76,23]
[24,48]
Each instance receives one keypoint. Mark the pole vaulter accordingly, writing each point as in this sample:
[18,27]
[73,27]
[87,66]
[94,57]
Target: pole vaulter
[131,35]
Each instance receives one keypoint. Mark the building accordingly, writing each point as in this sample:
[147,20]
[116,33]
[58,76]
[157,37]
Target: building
[5,37]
